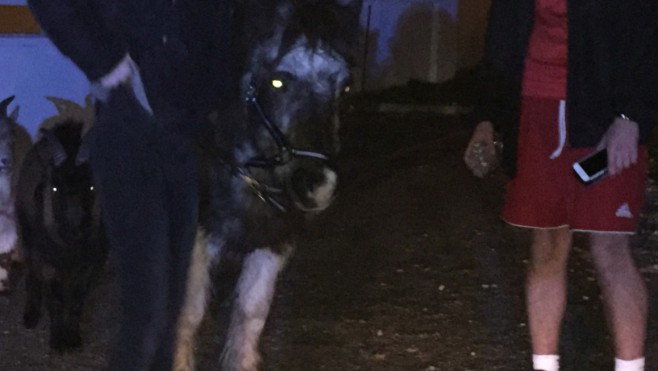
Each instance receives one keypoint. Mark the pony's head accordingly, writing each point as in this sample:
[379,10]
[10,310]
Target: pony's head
[297,68]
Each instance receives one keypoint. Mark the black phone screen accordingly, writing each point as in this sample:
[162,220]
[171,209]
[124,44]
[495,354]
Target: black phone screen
[595,164]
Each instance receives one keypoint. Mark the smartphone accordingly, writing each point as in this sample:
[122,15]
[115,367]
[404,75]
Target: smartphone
[592,167]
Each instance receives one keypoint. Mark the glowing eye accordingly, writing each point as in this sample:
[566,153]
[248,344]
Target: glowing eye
[347,89]
[277,84]
[91,188]
[54,189]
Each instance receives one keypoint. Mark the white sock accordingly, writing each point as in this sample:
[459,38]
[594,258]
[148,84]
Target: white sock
[632,365]
[546,362]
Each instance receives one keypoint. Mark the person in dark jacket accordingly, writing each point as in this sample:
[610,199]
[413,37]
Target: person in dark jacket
[565,79]
[157,70]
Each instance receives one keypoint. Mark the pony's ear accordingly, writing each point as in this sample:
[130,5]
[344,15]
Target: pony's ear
[14,114]
[352,19]
[354,5]
[284,11]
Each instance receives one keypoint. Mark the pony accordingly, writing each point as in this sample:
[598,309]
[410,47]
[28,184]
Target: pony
[269,167]
[14,144]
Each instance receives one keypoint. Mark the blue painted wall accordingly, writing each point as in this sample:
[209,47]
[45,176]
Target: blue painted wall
[406,43]
[427,40]
[32,69]
[386,14]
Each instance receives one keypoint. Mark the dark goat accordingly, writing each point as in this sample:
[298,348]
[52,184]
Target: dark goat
[59,222]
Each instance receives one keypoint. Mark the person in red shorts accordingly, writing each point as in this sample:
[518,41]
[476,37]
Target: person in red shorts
[564,79]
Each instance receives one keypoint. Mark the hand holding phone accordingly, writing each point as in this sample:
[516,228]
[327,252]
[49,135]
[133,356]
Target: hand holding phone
[592,167]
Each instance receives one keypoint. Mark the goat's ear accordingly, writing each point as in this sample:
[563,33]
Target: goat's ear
[4,104]
[83,153]
[14,114]
[57,150]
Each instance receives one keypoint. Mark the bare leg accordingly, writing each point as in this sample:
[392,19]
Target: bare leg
[546,287]
[194,307]
[254,295]
[624,293]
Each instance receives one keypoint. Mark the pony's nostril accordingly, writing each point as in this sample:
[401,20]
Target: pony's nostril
[303,181]
[313,189]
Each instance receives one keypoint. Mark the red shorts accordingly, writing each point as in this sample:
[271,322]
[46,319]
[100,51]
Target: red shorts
[546,192]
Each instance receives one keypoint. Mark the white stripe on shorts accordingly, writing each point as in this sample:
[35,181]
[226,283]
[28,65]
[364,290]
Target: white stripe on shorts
[562,130]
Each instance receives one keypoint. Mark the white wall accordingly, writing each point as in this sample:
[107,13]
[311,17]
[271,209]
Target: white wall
[32,69]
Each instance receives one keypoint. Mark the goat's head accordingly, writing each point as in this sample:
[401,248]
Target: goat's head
[296,73]
[6,137]
[7,222]
[68,194]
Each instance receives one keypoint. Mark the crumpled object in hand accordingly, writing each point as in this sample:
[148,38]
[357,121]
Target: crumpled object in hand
[482,160]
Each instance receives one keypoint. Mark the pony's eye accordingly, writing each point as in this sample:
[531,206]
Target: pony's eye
[282,80]
[277,83]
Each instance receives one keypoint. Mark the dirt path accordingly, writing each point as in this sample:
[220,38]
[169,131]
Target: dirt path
[411,269]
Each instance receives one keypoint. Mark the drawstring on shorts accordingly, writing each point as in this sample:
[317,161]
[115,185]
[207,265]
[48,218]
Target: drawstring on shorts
[562,130]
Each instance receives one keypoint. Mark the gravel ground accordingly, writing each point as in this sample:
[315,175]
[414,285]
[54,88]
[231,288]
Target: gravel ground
[411,269]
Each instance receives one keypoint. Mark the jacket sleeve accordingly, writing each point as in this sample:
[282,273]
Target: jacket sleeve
[80,33]
[498,95]
[634,51]
[508,30]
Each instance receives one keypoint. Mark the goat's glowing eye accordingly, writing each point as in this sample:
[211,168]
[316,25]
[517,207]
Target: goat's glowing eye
[347,89]
[91,188]
[277,84]
[54,189]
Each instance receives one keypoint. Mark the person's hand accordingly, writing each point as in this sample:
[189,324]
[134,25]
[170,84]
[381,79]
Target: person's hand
[621,141]
[480,155]
[125,73]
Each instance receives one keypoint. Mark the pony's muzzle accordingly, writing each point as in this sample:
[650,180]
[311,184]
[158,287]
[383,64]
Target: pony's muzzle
[312,188]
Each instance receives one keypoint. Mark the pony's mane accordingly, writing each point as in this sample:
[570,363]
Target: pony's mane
[323,21]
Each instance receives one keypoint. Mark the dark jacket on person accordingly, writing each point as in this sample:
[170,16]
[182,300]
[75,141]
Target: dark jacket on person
[180,47]
[612,67]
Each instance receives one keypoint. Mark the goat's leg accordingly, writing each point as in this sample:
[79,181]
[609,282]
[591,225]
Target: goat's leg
[74,293]
[5,268]
[254,290]
[55,304]
[198,284]
[34,289]
[64,335]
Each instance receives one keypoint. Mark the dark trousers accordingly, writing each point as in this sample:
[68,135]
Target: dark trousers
[146,177]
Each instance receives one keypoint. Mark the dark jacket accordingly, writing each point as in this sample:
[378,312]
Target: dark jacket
[612,67]
[180,47]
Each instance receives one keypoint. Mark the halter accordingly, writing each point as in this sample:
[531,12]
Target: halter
[286,152]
